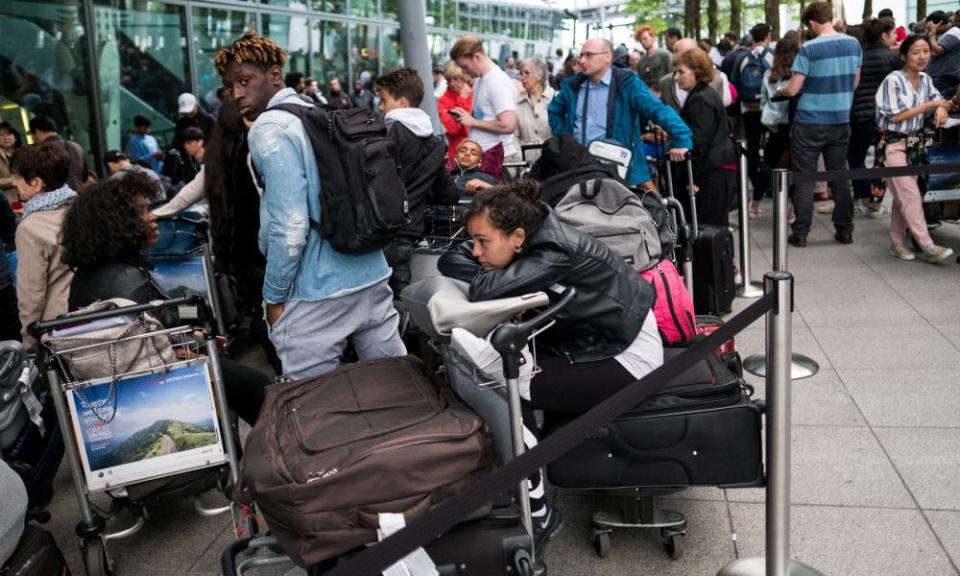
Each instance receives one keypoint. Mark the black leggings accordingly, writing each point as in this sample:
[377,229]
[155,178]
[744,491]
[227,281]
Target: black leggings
[574,388]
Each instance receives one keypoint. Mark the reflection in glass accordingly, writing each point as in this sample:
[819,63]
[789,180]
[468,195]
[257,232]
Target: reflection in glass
[392,51]
[364,52]
[142,53]
[212,30]
[364,8]
[292,34]
[329,56]
[42,68]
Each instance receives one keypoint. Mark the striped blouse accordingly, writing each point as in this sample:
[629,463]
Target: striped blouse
[896,95]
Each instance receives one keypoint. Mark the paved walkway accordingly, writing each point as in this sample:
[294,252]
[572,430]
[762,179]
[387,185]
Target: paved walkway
[876,465]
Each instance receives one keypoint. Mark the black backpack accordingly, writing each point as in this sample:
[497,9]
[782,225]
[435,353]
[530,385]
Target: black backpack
[362,198]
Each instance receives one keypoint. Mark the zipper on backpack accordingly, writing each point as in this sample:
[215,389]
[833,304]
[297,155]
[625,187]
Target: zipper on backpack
[673,313]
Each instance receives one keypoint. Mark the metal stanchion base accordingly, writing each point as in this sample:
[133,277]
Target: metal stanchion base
[801,366]
[750,290]
[758,567]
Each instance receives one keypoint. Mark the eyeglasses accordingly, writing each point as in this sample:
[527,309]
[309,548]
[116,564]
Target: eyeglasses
[591,54]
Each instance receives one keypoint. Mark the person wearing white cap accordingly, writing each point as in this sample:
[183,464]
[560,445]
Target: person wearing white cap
[191,115]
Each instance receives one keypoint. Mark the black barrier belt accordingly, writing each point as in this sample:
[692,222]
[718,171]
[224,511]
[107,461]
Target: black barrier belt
[379,557]
[755,158]
[872,173]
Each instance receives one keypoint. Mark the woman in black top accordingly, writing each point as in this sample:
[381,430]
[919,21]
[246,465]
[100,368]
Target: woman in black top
[879,60]
[102,237]
[714,157]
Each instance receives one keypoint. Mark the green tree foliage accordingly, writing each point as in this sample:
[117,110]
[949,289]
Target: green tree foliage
[656,14]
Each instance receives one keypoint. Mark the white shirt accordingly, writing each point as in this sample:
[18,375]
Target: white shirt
[645,353]
[897,95]
[493,94]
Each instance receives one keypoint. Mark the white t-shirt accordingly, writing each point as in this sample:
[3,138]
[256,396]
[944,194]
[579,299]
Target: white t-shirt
[493,94]
[645,354]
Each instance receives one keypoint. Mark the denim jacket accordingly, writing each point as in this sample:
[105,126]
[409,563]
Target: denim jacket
[300,264]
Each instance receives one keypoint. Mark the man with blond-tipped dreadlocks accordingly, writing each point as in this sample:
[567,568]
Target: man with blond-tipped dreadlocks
[317,299]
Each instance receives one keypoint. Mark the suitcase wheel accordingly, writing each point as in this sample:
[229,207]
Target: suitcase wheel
[672,541]
[601,543]
[95,558]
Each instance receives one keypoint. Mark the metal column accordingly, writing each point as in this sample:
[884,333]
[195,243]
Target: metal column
[779,333]
[416,53]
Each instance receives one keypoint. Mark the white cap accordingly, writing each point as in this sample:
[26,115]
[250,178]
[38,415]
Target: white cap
[186,103]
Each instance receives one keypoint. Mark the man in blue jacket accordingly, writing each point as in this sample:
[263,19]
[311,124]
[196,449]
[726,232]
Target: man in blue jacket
[602,102]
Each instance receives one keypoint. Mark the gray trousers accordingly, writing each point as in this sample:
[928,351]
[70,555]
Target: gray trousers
[807,142]
[310,336]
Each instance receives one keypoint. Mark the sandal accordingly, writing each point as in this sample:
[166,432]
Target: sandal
[755,210]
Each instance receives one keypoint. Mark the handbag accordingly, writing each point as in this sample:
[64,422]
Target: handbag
[112,349]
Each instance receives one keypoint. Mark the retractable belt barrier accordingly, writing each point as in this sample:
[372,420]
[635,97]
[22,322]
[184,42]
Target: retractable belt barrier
[379,557]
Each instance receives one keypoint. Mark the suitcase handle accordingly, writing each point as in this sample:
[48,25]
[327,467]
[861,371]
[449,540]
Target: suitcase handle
[371,520]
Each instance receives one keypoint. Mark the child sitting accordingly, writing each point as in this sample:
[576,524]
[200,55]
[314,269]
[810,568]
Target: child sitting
[466,172]
[40,174]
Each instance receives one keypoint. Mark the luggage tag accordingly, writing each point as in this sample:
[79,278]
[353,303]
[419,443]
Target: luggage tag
[417,563]
[30,401]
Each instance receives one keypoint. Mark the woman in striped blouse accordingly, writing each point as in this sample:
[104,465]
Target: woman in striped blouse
[904,100]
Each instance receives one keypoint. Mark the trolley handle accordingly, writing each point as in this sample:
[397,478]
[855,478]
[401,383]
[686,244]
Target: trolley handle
[228,559]
[38,328]
[509,337]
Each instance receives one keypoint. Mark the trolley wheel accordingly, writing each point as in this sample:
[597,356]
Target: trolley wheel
[524,567]
[95,559]
[672,543]
[601,543]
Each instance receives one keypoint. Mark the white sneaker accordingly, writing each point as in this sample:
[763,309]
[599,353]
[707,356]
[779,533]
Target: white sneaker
[936,254]
[902,252]
[881,212]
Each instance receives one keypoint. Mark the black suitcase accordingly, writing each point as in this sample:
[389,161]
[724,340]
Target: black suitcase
[36,555]
[703,430]
[714,285]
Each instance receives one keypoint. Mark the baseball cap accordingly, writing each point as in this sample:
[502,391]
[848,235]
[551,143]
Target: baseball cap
[114,156]
[186,103]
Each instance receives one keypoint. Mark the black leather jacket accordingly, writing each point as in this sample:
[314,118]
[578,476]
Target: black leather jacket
[612,300]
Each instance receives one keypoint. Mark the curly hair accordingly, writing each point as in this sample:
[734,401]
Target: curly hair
[516,205]
[251,48]
[402,83]
[103,225]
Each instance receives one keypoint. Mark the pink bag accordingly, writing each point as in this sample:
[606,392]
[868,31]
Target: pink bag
[673,307]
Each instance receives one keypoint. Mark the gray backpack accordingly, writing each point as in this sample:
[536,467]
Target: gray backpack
[609,211]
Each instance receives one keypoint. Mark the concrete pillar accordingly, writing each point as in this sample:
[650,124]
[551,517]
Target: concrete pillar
[413,40]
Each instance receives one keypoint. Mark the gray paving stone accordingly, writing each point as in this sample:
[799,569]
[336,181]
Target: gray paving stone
[878,308]
[820,400]
[946,524]
[753,340]
[707,545]
[850,541]
[933,400]
[886,347]
[952,332]
[838,466]
[928,460]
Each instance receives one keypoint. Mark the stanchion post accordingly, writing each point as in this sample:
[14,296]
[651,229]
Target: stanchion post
[747,288]
[781,179]
[778,358]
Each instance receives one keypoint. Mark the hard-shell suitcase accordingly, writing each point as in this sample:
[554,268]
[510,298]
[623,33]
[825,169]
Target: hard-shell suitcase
[702,430]
[713,273]
[36,555]
[329,454]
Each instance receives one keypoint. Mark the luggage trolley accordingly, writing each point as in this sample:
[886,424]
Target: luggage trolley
[183,263]
[138,457]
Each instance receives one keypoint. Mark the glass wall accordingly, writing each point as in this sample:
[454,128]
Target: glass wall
[292,33]
[392,51]
[364,51]
[42,68]
[329,52]
[212,30]
[143,66]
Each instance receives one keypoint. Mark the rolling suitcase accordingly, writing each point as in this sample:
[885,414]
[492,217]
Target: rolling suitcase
[702,430]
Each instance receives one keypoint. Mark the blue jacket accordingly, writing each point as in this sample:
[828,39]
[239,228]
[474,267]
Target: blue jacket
[630,106]
[300,264]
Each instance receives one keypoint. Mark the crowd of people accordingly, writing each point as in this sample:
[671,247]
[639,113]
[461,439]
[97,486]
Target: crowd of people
[819,96]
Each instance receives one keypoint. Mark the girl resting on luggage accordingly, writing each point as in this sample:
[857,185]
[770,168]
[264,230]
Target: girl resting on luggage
[604,340]
[103,234]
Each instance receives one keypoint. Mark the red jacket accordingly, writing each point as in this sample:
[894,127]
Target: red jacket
[455,132]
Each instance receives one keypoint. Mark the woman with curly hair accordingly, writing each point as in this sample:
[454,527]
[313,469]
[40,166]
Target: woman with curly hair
[103,235]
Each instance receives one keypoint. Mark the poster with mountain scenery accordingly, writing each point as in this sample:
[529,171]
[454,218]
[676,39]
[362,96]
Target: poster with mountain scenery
[147,426]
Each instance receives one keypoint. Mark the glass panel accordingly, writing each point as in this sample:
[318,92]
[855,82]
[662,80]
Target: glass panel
[365,8]
[214,29]
[292,34]
[364,51]
[392,51]
[142,52]
[389,11]
[41,68]
[435,10]
[329,57]
[331,6]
